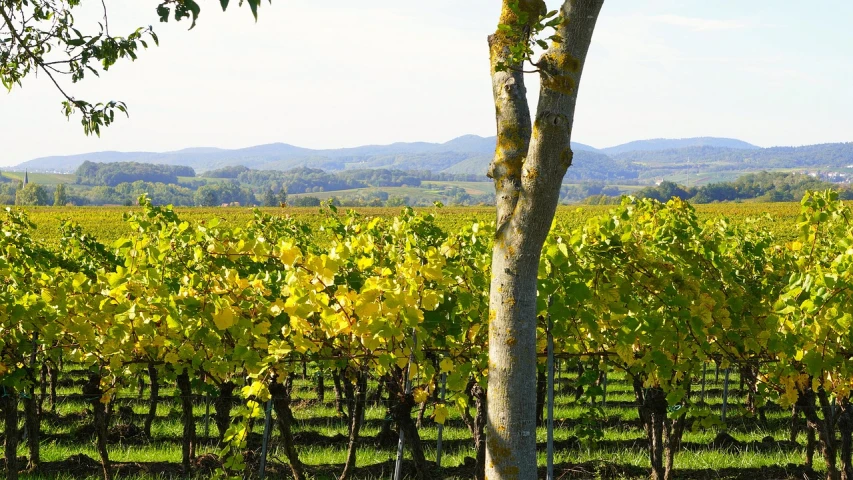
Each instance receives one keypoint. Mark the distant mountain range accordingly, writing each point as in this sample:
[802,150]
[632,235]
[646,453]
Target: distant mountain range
[472,154]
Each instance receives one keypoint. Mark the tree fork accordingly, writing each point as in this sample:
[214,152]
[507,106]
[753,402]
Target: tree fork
[529,164]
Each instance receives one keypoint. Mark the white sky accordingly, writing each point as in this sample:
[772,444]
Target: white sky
[335,73]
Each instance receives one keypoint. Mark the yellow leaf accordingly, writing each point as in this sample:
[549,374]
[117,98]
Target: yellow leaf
[446,365]
[258,390]
[430,300]
[171,358]
[224,318]
[440,414]
[364,263]
[402,362]
[420,395]
[262,328]
[276,308]
[288,253]
[431,272]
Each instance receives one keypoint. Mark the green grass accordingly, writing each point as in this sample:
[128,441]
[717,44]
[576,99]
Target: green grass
[618,454]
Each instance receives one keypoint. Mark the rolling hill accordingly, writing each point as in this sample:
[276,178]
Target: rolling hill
[642,160]
[282,156]
[676,143]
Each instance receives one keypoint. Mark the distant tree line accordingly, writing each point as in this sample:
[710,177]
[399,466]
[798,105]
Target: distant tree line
[32,194]
[578,192]
[762,186]
[298,180]
[112,174]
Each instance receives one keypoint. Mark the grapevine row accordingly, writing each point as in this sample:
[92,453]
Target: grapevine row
[648,289]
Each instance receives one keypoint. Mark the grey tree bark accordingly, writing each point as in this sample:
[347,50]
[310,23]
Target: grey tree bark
[531,158]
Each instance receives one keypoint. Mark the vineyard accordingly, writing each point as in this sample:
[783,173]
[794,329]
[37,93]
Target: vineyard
[154,342]
[107,226]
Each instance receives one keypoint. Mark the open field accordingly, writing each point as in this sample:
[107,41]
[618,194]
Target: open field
[43,178]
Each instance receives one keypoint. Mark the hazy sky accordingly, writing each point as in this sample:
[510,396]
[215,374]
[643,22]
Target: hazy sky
[335,73]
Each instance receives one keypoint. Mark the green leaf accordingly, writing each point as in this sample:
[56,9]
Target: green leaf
[193,7]
[253,5]
[163,13]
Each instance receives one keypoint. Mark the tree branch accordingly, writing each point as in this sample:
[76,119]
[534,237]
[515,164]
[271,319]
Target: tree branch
[513,119]
[35,59]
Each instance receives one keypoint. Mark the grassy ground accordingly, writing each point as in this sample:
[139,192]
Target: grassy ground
[321,440]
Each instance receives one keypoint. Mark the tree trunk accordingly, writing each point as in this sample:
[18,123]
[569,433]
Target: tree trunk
[413,438]
[336,382]
[360,397]
[281,396]
[42,387]
[222,406]
[652,410]
[376,397]
[154,397]
[92,391]
[579,387]
[349,397]
[845,426]
[810,446]
[320,389]
[32,422]
[477,426]
[189,438]
[53,373]
[749,376]
[795,424]
[10,411]
[387,436]
[32,419]
[140,385]
[527,169]
[824,428]
[421,412]
[541,389]
[673,433]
